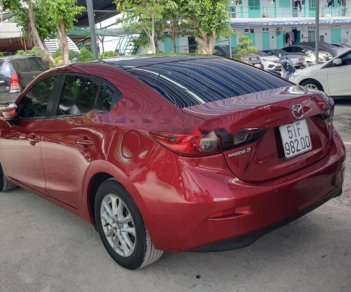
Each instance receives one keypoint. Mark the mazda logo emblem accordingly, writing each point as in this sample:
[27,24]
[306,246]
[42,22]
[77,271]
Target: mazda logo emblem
[297,111]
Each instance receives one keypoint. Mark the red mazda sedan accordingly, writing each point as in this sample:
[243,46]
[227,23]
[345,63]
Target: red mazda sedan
[172,153]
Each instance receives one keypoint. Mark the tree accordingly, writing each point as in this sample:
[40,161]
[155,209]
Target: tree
[174,21]
[142,16]
[33,21]
[244,48]
[209,19]
[62,14]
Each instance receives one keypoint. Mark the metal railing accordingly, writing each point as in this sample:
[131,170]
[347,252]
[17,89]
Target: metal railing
[274,11]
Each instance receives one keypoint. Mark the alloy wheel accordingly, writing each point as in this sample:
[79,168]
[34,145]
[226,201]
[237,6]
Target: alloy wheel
[311,86]
[118,225]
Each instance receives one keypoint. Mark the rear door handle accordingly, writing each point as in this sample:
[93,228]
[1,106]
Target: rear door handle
[33,139]
[84,141]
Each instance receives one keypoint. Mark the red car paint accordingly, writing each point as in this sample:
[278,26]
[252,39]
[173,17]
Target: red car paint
[186,202]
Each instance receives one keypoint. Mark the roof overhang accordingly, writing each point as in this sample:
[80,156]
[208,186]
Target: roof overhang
[104,9]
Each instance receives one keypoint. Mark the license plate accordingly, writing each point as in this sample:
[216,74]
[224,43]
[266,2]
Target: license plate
[296,138]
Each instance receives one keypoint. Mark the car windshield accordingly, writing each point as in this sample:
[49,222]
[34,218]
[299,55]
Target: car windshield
[186,83]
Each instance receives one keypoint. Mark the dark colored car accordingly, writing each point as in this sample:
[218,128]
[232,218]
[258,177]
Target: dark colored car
[16,72]
[341,45]
[323,46]
[309,51]
[172,153]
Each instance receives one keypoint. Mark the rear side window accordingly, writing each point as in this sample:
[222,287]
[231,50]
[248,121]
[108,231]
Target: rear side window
[188,83]
[35,103]
[37,64]
[82,94]
[20,65]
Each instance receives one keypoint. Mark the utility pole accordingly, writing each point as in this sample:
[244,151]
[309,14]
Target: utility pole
[317,32]
[91,20]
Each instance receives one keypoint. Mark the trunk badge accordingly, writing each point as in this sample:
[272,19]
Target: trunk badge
[297,111]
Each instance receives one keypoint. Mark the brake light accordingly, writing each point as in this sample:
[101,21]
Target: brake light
[14,84]
[203,145]
[189,144]
[328,108]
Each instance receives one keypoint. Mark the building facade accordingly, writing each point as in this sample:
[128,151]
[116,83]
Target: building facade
[273,24]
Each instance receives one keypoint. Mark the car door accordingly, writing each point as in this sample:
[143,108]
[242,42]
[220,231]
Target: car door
[21,140]
[339,77]
[77,139]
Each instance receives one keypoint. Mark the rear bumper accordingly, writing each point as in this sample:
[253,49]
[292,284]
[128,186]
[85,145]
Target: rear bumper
[251,237]
[183,219]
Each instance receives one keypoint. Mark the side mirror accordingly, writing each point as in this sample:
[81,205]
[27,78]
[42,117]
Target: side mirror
[9,112]
[337,62]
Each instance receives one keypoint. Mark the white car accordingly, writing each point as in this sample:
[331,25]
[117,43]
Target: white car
[269,62]
[333,77]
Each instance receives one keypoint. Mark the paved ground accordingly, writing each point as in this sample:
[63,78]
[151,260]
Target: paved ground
[45,248]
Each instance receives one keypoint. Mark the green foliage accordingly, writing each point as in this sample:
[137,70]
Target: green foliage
[33,52]
[73,55]
[244,49]
[85,55]
[61,10]
[205,19]
[2,54]
[58,60]
[208,17]
[108,54]
[45,27]
[144,16]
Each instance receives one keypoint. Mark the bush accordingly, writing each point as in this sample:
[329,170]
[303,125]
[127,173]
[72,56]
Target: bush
[85,55]
[244,49]
[58,61]
[72,55]
[33,52]
[108,54]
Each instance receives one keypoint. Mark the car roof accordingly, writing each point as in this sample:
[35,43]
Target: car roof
[17,57]
[135,62]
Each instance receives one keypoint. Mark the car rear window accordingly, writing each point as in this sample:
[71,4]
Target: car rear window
[188,83]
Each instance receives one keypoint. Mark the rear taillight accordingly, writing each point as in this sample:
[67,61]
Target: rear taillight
[328,112]
[189,144]
[14,84]
[214,142]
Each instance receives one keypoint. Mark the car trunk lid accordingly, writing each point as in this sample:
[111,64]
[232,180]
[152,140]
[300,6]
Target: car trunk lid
[264,158]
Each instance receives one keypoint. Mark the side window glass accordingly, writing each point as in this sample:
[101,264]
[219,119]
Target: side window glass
[78,96]
[82,94]
[346,60]
[106,98]
[34,104]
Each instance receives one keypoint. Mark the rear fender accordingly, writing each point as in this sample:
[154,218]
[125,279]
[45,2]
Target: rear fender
[100,166]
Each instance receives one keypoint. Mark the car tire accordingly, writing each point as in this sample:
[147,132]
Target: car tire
[5,185]
[121,227]
[312,84]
